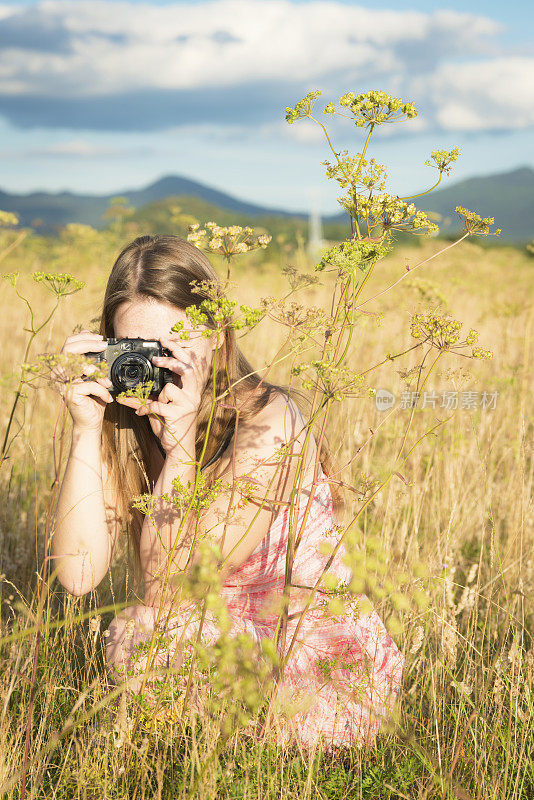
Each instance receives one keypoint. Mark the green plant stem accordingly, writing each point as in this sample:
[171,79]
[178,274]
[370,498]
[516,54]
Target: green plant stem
[352,523]
[40,606]
[410,270]
[281,629]
[5,449]
[411,196]
[418,389]
[150,655]
[13,245]
[190,674]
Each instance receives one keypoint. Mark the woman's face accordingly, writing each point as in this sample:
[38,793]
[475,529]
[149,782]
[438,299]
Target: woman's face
[150,319]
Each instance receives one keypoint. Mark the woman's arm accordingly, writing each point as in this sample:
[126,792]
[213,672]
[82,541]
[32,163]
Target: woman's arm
[86,522]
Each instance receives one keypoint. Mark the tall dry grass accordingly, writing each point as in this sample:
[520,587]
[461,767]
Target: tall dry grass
[464,506]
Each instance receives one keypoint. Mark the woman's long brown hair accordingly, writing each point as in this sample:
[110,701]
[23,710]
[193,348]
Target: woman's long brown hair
[162,267]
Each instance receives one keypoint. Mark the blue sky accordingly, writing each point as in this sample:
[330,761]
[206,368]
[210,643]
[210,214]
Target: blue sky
[103,96]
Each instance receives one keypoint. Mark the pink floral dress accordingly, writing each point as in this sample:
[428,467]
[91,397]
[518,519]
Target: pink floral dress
[343,674]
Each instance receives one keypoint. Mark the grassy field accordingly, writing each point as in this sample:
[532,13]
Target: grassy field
[464,508]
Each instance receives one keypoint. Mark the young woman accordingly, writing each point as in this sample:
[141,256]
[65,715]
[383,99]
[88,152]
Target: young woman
[123,448]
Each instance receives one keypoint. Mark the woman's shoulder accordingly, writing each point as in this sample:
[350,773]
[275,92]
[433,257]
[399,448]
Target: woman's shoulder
[279,421]
[284,411]
[279,410]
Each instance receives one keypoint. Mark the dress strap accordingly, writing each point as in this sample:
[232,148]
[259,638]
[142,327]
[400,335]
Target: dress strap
[221,449]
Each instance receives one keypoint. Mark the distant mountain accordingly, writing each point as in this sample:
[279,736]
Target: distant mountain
[506,196]
[49,211]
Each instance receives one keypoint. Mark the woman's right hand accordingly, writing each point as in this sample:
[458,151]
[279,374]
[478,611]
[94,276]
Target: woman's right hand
[86,400]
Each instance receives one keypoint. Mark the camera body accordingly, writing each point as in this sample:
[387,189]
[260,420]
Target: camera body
[130,363]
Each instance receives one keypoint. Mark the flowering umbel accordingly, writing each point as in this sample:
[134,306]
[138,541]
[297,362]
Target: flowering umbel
[369,108]
[349,169]
[473,223]
[443,333]
[59,284]
[374,108]
[352,256]
[388,212]
[226,241]
[303,108]
[442,159]
[8,218]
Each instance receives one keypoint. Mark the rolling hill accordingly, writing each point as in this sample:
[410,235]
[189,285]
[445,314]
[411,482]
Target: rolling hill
[507,196]
[49,211]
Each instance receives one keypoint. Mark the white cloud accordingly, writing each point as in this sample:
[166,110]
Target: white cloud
[481,95]
[75,148]
[117,46]
[78,148]
[118,50]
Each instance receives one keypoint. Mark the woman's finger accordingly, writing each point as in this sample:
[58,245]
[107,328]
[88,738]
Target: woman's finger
[169,393]
[132,402]
[161,409]
[144,407]
[86,388]
[173,364]
[83,335]
[175,347]
[82,346]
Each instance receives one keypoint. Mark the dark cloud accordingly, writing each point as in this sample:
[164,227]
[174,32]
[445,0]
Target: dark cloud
[44,32]
[32,29]
[115,38]
[224,37]
[153,109]
[221,37]
[420,55]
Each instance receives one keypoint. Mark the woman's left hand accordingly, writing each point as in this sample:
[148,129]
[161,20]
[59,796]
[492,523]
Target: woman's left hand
[176,408]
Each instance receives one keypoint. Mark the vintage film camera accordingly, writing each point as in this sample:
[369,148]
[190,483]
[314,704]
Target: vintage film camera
[130,363]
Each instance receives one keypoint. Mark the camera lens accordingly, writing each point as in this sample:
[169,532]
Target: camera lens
[130,369]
